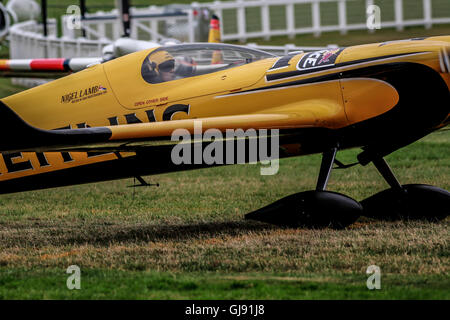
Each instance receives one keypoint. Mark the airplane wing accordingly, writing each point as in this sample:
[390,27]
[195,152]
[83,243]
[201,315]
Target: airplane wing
[42,68]
[19,136]
[46,65]
[57,67]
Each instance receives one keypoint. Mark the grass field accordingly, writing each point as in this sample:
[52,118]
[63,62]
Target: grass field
[187,238]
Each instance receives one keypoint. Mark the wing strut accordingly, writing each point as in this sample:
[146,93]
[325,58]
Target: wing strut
[141,180]
[341,165]
[143,183]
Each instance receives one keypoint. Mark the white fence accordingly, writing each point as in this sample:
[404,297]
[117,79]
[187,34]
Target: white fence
[242,20]
[26,41]
[152,23]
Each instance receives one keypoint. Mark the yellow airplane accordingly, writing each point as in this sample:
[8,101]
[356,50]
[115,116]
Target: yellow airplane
[117,119]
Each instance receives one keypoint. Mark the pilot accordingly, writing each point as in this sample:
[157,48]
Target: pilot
[161,66]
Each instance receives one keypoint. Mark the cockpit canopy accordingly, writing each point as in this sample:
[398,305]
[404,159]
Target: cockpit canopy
[189,60]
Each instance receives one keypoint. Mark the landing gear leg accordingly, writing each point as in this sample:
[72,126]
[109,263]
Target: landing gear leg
[325,169]
[317,208]
[386,171]
[412,201]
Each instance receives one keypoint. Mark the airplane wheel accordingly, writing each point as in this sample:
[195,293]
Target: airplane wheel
[415,202]
[316,209]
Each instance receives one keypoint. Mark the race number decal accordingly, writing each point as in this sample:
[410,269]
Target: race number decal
[318,59]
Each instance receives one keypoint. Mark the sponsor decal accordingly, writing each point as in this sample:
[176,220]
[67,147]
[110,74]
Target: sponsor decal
[318,59]
[83,94]
[154,101]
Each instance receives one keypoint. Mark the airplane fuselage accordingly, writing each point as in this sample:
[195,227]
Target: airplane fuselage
[383,95]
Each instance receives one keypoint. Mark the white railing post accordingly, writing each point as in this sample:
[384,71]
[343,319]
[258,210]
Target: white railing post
[154,28]
[241,20]
[342,11]
[265,19]
[134,29]
[290,20]
[117,25]
[315,7]
[100,25]
[191,31]
[398,7]
[427,13]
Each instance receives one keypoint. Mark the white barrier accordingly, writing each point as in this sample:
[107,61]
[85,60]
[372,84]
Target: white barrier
[242,20]
[26,41]
[151,23]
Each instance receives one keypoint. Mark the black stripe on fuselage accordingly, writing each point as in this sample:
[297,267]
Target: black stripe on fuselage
[283,75]
[327,77]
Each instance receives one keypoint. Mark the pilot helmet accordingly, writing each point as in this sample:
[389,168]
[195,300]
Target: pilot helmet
[162,61]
